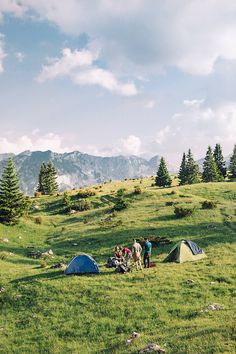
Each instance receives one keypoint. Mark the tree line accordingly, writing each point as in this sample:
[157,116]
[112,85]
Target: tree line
[214,168]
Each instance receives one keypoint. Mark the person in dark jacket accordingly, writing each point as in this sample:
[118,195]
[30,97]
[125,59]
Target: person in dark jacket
[147,253]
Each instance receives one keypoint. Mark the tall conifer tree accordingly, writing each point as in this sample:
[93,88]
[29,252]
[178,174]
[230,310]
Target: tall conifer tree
[210,169]
[42,179]
[51,180]
[182,171]
[47,179]
[12,200]
[192,169]
[163,178]
[219,159]
[232,165]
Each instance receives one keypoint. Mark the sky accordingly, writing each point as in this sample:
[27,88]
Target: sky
[110,77]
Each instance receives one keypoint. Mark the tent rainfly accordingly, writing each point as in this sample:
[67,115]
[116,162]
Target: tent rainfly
[81,265]
[185,251]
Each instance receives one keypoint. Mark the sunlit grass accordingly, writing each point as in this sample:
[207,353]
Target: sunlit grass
[42,311]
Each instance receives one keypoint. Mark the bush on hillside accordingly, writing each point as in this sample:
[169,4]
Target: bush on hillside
[137,190]
[121,192]
[37,194]
[83,205]
[38,220]
[169,203]
[208,204]
[183,211]
[85,193]
[43,263]
[120,204]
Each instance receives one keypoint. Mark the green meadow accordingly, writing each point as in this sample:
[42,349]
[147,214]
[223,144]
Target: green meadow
[44,311]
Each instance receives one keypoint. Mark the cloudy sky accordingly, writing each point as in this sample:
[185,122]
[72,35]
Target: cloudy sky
[110,77]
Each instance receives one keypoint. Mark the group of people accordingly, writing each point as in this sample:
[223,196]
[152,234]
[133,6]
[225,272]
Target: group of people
[124,254]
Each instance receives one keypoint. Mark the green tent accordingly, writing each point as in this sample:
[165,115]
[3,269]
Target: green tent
[185,251]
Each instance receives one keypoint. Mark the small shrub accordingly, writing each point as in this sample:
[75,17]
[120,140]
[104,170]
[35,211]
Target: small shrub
[37,194]
[85,193]
[208,204]
[83,205]
[137,190]
[183,211]
[173,192]
[120,192]
[38,220]
[120,204]
[43,263]
[153,185]
[169,203]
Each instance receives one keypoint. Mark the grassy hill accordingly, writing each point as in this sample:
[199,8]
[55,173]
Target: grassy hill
[43,311]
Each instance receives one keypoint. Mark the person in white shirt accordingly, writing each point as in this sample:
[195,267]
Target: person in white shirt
[136,252]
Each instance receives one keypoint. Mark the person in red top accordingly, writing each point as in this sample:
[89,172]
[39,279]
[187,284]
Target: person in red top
[127,254]
[118,253]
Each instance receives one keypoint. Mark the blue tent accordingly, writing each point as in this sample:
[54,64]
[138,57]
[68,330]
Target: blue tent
[82,264]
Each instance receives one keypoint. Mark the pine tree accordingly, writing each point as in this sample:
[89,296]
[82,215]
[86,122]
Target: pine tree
[163,178]
[12,200]
[47,179]
[232,165]
[42,179]
[210,169]
[192,169]
[219,159]
[182,171]
[51,179]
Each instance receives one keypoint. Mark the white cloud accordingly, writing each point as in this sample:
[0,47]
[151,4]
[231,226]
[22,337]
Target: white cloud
[80,67]
[105,79]
[196,128]
[193,103]
[146,35]
[34,141]
[12,7]
[131,145]
[19,56]
[150,104]
[2,52]
[163,134]
[64,66]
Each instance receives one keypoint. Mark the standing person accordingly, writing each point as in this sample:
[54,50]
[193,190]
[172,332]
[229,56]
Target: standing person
[147,253]
[136,251]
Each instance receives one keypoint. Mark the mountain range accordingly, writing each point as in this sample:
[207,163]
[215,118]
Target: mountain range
[76,169]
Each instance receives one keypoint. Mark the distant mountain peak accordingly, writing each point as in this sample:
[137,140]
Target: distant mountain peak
[76,169]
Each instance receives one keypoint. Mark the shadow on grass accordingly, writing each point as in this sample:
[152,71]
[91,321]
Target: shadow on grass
[48,275]
[80,218]
[55,207]
[57,275]
[20,261]
[100,243]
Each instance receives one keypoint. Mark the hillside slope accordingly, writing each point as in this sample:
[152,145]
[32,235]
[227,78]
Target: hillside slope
[43,311]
